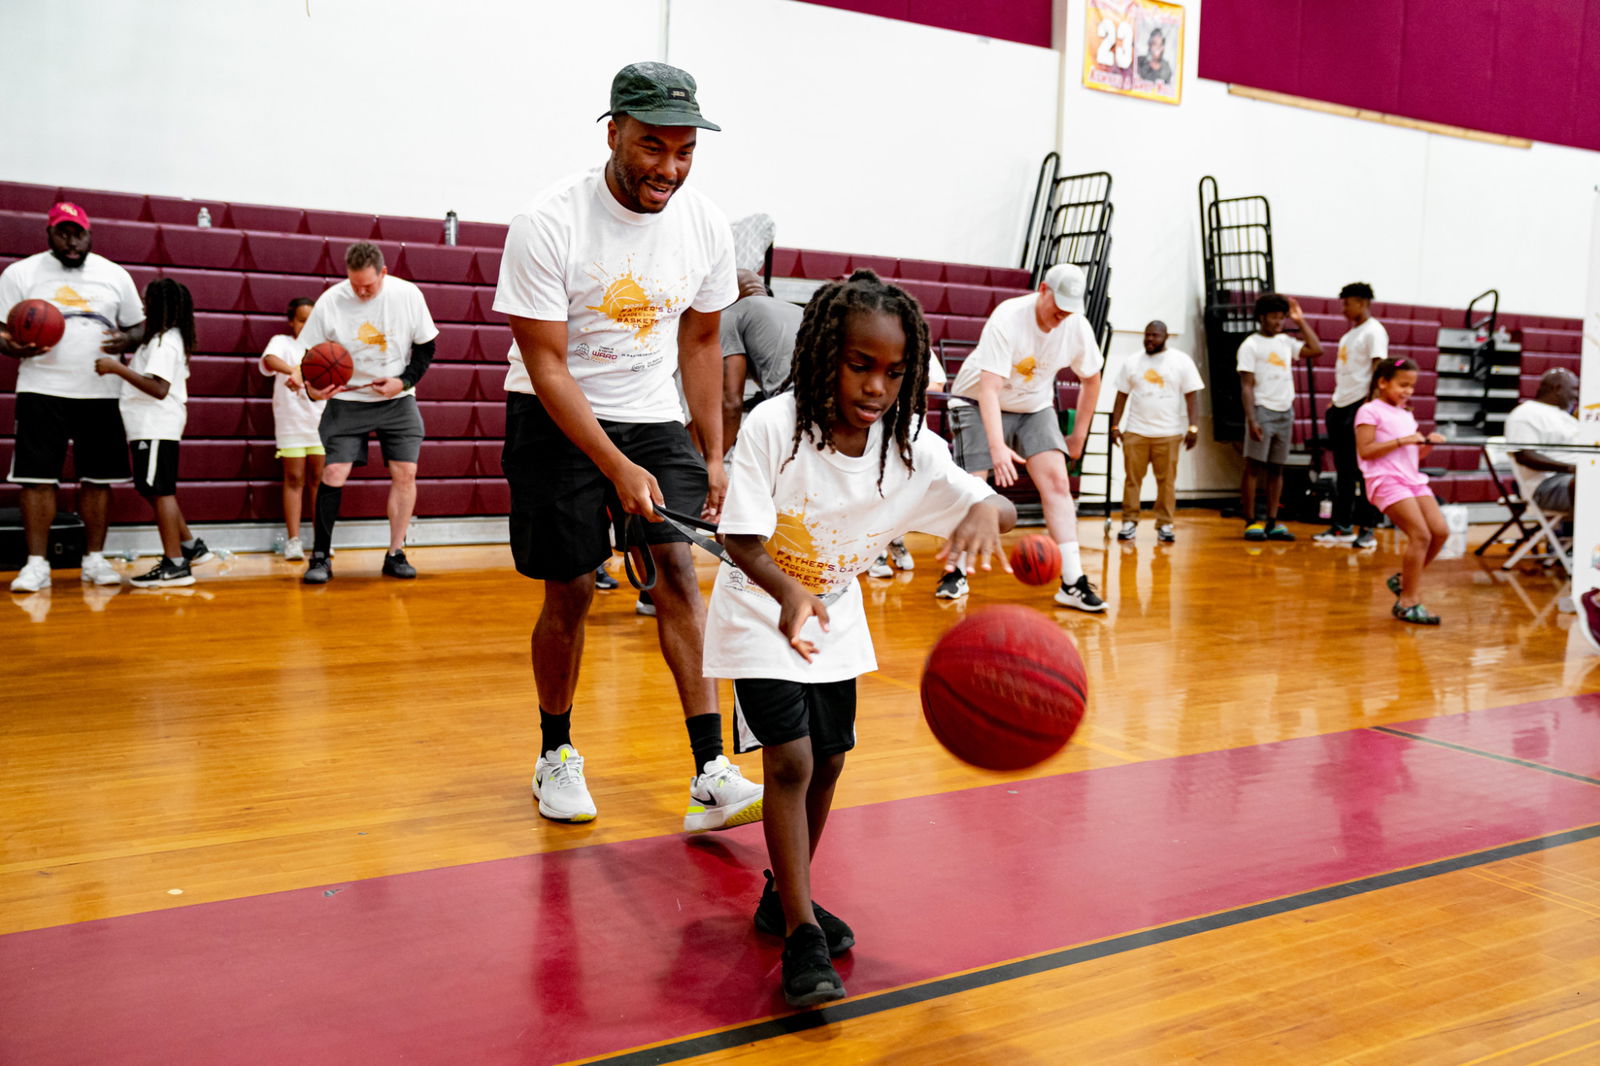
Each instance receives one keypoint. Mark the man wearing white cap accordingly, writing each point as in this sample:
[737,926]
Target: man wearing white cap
[1003,415]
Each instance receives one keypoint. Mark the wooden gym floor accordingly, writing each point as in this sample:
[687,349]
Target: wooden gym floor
[256,822]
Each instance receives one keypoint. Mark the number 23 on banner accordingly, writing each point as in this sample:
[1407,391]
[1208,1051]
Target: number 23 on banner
[1134,48]
[1116,43]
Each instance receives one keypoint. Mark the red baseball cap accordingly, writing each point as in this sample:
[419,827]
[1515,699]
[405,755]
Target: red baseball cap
[67,212]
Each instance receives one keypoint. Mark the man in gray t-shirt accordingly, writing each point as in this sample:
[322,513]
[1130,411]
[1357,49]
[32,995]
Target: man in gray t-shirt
[758,335]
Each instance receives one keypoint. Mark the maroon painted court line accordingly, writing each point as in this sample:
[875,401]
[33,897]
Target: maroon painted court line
[576,953]
[1561,733]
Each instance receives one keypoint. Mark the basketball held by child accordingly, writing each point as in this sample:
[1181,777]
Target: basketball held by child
[1036,560]
[326,365]
[1004,689]
[36,322]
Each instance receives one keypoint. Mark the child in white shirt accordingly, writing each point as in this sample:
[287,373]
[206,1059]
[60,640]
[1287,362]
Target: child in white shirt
[295,418]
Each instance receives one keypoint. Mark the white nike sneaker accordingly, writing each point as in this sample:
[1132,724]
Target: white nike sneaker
[900,555]
[721,798]
[880,567]
[559,787]
[98,571]
[32,577]
[293,550]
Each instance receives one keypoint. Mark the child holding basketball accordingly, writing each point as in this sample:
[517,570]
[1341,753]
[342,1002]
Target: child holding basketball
[154,408]
[1390,451]
[295,418]
[825,475]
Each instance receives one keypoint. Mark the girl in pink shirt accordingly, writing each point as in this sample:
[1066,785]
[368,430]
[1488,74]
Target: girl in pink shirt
[1390,449]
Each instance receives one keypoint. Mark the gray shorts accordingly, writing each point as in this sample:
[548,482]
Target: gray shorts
[346,425]
[1277,432]
[1554,494]
[1026,434]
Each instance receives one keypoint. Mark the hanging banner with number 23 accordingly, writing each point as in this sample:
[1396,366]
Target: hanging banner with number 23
[1134,47]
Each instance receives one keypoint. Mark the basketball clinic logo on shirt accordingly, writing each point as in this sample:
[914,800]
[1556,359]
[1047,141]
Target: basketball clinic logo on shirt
[1274,359]
[372,337]
[1344,354]
[1155,379]
[627,304]
[796,549]
[1026,367]
[66,296]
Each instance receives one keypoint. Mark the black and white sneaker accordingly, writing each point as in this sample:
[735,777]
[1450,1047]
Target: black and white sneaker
[1128,531]
[395,565]
[769,919]
[319,572]
[1080,595]
[603,580]
[1366,541]
[166,574]
[952,586]
[808,977]
[1166,534]
[198,554]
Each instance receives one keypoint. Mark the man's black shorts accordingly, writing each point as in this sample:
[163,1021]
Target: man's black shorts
[155,467]
[561,502]
[767,713]
[46,423]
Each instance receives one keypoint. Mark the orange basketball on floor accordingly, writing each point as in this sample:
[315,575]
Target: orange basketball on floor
[36,322]
[1004,689]
[326,365]
[1036,560]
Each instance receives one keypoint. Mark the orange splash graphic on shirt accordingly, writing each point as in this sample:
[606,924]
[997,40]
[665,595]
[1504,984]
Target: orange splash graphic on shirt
[1276,360]
[372,336]
[626,304]
[1027,367]
[1344,355]
[67,296]
[1155,379]
[794,549]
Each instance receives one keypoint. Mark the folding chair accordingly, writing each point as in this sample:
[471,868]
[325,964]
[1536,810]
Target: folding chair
[1501,473]
[1545,528]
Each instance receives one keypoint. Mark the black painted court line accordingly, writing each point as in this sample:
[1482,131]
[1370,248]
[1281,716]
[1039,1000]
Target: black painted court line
[1056,960]
[1512,759]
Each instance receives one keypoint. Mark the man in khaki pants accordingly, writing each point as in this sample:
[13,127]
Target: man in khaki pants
[1158,390]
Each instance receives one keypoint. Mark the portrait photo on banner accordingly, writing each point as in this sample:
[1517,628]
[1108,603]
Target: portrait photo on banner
[1135,48]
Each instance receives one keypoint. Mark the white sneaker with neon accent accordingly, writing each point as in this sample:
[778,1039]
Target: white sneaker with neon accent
[720,798]
[559,787]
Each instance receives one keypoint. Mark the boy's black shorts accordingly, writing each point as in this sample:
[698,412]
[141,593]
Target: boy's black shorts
[767,713]
[155,467]
[560,499]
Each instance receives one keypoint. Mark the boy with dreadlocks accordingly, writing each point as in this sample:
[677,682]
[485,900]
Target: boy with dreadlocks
[825,475]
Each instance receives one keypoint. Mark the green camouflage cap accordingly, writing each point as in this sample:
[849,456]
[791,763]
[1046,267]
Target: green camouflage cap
[657,95]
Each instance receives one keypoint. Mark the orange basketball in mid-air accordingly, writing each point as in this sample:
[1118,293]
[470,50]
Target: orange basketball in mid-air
[326,365]
[1004,689]
[1035,560]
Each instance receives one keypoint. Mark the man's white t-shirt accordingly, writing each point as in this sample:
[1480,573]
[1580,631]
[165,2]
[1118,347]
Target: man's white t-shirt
[1271,360]
[1156,386]
[378,333]
[1360,349]
[824,521]
[620,281]
[95,297]
[1013,346]
[143,416]
[1539,423]
[295,415]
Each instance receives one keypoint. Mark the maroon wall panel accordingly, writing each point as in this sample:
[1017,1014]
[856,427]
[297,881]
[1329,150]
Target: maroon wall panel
[1526,69]
[1024,21]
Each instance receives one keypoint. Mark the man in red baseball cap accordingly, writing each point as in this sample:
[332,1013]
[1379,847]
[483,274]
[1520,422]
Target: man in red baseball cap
[60,398]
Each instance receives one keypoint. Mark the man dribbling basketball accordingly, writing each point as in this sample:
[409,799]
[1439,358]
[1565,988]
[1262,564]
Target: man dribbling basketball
[613,279]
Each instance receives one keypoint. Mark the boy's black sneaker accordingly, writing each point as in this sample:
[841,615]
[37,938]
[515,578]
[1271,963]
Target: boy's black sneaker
[198,554]
[166,574]
[319,572]
[604,581]
[1080,595]
[769,919]
[395,565]
[808,977]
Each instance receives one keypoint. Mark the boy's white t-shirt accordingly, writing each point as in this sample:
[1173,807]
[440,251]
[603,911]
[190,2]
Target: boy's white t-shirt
[1013,346]
[96,297]
[143,416]
[378,333]
[1271,360]
[824,522]
[1541,423]
[1360,349]
[620,281]
[295,415]
[1156,386]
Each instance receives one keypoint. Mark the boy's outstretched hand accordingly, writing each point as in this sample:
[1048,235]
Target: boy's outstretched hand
[794,608]
[975,539]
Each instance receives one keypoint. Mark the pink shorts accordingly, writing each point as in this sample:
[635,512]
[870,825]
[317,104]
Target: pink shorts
[1386,491]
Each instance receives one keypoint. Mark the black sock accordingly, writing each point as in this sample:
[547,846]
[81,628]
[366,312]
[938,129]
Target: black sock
[328,498]
[705,738]
[555,730]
